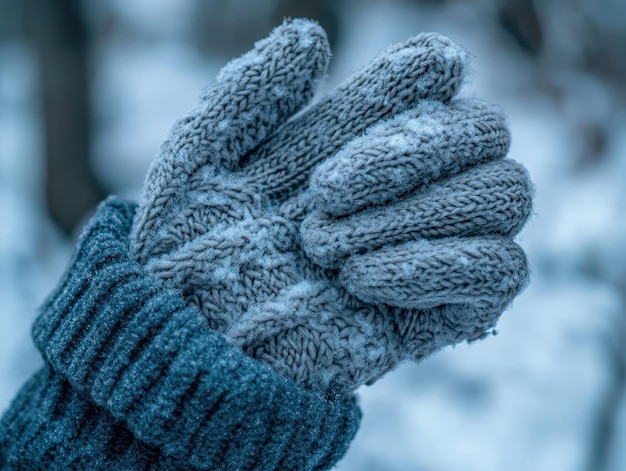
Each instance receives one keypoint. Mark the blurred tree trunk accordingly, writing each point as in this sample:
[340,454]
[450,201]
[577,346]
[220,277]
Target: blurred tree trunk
[604,437]
[58,32]
[11,19]
[520,19]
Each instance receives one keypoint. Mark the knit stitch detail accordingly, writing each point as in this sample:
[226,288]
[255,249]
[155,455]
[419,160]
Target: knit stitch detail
[427,66]
[125,353]
[492,198]
[253,95]
[399,162]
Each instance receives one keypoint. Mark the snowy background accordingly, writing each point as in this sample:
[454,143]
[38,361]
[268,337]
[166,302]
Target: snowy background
[546,393]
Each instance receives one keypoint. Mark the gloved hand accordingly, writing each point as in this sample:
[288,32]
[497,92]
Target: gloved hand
[406,244]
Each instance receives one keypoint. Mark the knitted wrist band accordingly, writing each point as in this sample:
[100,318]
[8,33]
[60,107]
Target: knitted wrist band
[136,350]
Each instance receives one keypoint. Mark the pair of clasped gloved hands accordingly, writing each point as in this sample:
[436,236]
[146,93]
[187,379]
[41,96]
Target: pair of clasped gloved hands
[336,240]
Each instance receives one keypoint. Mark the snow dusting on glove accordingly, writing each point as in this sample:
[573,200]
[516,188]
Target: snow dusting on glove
[401,245]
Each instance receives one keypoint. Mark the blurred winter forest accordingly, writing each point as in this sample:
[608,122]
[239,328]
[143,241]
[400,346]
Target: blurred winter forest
[89,88]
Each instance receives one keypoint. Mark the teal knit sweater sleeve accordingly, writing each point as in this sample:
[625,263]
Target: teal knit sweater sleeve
[135,379]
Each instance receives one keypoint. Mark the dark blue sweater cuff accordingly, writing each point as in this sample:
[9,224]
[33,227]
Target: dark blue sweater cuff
[150,362]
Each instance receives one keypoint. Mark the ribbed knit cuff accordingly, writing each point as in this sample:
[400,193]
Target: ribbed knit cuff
[134,348]
[51,426]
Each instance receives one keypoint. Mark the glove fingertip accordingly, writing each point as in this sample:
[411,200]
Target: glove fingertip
[453,63]
[320,241]
[328,186]
[300,45]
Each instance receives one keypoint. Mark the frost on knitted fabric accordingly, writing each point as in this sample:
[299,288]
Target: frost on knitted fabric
[427,66]
[221,217]
[477,271]
[251,97]
[421,145]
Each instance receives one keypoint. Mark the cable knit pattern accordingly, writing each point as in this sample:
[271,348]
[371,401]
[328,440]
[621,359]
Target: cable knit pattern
[398,162]
[135,380]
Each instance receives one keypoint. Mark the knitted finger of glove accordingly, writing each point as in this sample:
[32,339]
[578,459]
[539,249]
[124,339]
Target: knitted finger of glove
[226,231]
[252,96]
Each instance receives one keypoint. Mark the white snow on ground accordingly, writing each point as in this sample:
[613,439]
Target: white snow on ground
[526,399]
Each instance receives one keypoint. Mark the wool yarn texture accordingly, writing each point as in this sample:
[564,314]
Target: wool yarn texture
[134,379]
[335,240]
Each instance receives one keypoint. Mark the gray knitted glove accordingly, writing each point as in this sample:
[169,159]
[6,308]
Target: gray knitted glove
[408,223]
